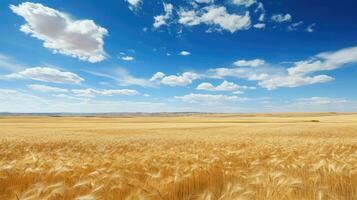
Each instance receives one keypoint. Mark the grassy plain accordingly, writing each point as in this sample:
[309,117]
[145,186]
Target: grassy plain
[203,157]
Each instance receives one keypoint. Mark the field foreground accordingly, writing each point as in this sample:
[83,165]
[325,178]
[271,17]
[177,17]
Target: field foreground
[280,156]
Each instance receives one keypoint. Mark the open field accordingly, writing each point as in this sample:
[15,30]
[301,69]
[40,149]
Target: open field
[203,157]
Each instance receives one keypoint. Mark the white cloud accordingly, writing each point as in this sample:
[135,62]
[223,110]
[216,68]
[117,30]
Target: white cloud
[261,18]
[325,61]
[250,73]
[206,86]
[269,78]
[127,58]
[209,98]
[249,63]
[46,74]
[298,74]
[185,53]
[231,22]
[89,92]
[274,76]
[134,4]
[215,16]
[204,1]
[259,26]
[224,86]
[177,80]
[82,39]
[157,76]
[311,27]
[238,92]
[46,88]
[189,17]
[260,8]
[227,86]
[293,81]
[246,3]
[280,18]
[161,20]
[294,26]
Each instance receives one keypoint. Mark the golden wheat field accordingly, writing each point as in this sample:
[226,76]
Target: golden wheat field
[203,157]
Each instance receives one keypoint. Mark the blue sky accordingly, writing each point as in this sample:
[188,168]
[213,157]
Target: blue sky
[163,56]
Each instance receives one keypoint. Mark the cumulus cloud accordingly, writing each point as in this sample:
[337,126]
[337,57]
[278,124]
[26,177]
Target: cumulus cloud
[246,3]
[206,86]
[82,39]
[227,86]
[134,4]
[224,86]
[209,98]
[127,58]
[175,80]
[89,92]
[249,63]
[46,88]
[161,20]
[157,76]
[185,53]
[325,61]
[280,18]
[180,80]
[189,17]
[216,16]
[46,74]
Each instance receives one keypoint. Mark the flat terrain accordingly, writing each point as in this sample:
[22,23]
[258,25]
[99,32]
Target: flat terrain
[271,156]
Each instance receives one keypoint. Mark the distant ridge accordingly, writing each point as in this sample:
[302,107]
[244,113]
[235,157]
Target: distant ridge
[173,114]
[60,114]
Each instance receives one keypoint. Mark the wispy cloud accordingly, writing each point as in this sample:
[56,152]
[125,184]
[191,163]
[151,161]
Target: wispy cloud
[10,64]
[46,88]
[46,74]
[122,77]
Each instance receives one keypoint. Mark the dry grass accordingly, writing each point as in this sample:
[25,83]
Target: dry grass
[221,157]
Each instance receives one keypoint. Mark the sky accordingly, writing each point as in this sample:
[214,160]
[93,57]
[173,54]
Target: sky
[222,56]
